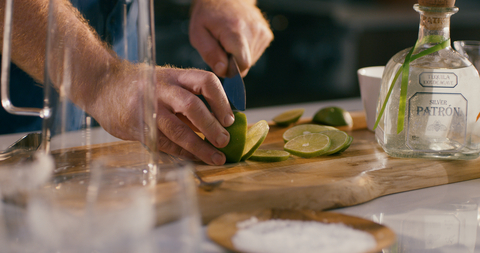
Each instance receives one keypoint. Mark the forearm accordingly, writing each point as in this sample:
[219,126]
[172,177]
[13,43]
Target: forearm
[75,52]
[28,35]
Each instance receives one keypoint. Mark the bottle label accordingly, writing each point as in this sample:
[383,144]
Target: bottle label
[436,117]
[438,80]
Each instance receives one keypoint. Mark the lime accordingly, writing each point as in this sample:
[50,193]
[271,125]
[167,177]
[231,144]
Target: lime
[308,145]
[339,140]
[238,132]
[255,136]
[269,155]
[350,140]
[333,116]
[288,117]
[304,129]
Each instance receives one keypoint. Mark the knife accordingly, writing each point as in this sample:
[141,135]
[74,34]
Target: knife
[234,86]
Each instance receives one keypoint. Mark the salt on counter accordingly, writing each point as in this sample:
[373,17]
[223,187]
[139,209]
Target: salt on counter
[299,236]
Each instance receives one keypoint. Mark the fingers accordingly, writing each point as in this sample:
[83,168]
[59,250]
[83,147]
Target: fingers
[180,111]
[197,113]
[207,84]
[210,50]
[239,47]
[166,145]
[248,47]
[176,138]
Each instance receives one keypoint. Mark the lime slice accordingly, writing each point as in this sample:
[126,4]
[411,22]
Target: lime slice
[238,133]
[308,145]
[269,155]
[288,117]
[304,129]
[350,140]
[333,116]
[255,136]
[339,140]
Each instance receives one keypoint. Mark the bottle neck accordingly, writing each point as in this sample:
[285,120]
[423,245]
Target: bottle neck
[434,25]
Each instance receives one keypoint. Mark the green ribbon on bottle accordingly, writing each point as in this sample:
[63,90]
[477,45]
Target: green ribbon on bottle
[404,70]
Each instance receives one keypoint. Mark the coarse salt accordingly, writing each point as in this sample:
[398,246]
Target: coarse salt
[299,236]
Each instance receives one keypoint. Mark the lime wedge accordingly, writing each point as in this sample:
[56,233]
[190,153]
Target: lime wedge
[288,117]
[255,136]
[333,116]
[269,155]
[308,145]
[304,129]
[339,140]
[238,133]
[350,140]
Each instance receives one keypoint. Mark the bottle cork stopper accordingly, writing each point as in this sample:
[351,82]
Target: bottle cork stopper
[437,3]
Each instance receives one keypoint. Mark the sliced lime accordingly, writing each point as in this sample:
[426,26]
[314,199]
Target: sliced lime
[350,140]
[269,155]
[333,116]
[238,132]
[308,145]
[255,137]
[304,129]
[339,140]
[288,117]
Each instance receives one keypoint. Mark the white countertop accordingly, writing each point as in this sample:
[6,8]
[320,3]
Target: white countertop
[437,219]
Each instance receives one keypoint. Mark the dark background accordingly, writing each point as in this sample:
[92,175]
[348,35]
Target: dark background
[318,45]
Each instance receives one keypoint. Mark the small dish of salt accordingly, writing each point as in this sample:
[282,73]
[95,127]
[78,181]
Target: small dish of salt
[279,230]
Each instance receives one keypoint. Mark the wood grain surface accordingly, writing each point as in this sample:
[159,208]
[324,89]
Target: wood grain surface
[362,173]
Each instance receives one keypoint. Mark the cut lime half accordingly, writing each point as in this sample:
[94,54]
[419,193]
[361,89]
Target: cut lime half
[255,137]
[238,132]
[308,145]
[288,117]
[305,129]
[333,116]
[269,155]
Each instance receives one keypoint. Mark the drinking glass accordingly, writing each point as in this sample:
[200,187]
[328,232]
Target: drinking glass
[70,134]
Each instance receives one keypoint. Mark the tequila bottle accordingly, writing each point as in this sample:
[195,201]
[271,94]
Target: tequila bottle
[429,102]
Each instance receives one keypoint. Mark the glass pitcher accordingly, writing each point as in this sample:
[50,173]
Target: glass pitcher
[125,28]
[72,136]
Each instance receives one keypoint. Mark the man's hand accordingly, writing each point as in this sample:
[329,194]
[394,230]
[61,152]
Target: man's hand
[118,110]
[218,27]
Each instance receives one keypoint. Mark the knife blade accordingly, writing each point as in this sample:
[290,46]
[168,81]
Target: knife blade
[234,86]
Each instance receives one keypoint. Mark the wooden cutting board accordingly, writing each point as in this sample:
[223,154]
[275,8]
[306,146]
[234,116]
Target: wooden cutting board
[362,173]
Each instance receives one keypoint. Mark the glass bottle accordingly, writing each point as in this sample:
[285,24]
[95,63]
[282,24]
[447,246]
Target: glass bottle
[441,103]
